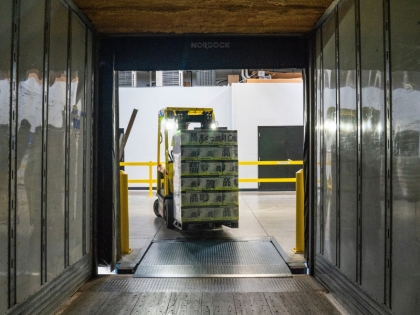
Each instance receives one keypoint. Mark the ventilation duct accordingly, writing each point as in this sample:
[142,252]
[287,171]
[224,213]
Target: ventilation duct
[206,77]
[127,78]
[169,78]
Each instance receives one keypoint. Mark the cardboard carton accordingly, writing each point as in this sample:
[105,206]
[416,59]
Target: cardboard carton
[227,153]
[209,183]
[206,137]
[200,168]
[223,213]
[208,198]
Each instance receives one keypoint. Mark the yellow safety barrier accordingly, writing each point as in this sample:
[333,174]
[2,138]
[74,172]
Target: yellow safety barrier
[300,202]
[152,181]
[149,181]
[271,163]
[125,240]
[267,180]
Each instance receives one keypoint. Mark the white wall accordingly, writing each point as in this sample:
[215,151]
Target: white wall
[242,107]
[142,143]
[267,104]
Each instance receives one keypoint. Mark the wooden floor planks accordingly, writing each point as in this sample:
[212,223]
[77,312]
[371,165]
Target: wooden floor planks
[86,303]
[152,303]
[284,303]
[251,303]
[316,303]
[193,303]
[119,303]
[185,303]
[218,303]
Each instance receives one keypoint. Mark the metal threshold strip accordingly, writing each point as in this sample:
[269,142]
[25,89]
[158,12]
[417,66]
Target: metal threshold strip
[213,258]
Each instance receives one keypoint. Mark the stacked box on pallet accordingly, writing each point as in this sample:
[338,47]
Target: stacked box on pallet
[206,176]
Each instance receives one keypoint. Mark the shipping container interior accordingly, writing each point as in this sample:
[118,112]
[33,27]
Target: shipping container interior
[61,108]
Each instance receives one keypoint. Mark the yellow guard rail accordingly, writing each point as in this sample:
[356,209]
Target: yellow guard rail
[299,180]
[152,181]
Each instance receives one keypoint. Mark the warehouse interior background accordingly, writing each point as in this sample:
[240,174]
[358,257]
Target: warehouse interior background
[59,214]
[280,104]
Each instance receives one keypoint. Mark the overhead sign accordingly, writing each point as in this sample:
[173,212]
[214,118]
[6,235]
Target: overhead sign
[210,45]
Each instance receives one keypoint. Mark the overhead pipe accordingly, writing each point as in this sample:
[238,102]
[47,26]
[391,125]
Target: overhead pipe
[247,74]
[243,75]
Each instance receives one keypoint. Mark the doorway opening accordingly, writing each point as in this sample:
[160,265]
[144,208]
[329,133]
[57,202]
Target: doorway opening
[249,101]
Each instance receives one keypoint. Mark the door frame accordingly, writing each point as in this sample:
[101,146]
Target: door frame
[181,52]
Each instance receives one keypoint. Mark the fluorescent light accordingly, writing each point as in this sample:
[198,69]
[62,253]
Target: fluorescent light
[169,125]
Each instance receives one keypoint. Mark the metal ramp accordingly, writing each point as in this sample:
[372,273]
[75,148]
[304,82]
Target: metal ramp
[212,258]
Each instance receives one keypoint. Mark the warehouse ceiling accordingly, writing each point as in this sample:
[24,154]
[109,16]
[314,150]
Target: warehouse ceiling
[203,17]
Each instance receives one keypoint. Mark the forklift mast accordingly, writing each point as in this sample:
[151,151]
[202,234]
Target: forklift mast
[176,118]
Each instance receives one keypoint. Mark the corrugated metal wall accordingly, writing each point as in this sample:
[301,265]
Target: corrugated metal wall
[45,149]
[367,100]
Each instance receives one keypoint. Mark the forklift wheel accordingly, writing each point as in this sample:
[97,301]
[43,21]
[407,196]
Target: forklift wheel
[169,214]
[156,208]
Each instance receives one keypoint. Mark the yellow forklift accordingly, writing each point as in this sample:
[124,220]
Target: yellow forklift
[174,119]
[197,180]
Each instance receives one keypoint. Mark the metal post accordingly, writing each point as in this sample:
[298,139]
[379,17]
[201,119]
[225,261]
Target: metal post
[300,204]
[389,154]
[150,179]
[13,167]
[125,242]
[127,133]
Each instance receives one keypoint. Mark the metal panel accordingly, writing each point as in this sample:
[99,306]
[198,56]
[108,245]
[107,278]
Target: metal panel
[373,149]
[348,139]
[67,142]
[213,271]
[12,157]
[54,293]
[56,137]
[44,144]
[29,148]
[116,240]
[24,148]
[89,143]
[206,285]
[330,142]
[85,155]
[212,259]
[405,144]
[348,293]
[77,117]
[6,16]
[318,144]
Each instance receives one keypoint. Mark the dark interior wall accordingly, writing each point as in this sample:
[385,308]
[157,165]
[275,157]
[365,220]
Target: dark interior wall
[148,53]
[367,100]
[45,132]
[205,52]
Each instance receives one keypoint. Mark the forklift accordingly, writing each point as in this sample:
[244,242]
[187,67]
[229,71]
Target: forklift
[174,119]
[173,124]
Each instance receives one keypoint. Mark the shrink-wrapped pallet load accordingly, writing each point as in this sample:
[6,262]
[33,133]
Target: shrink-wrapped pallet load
[206,176]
